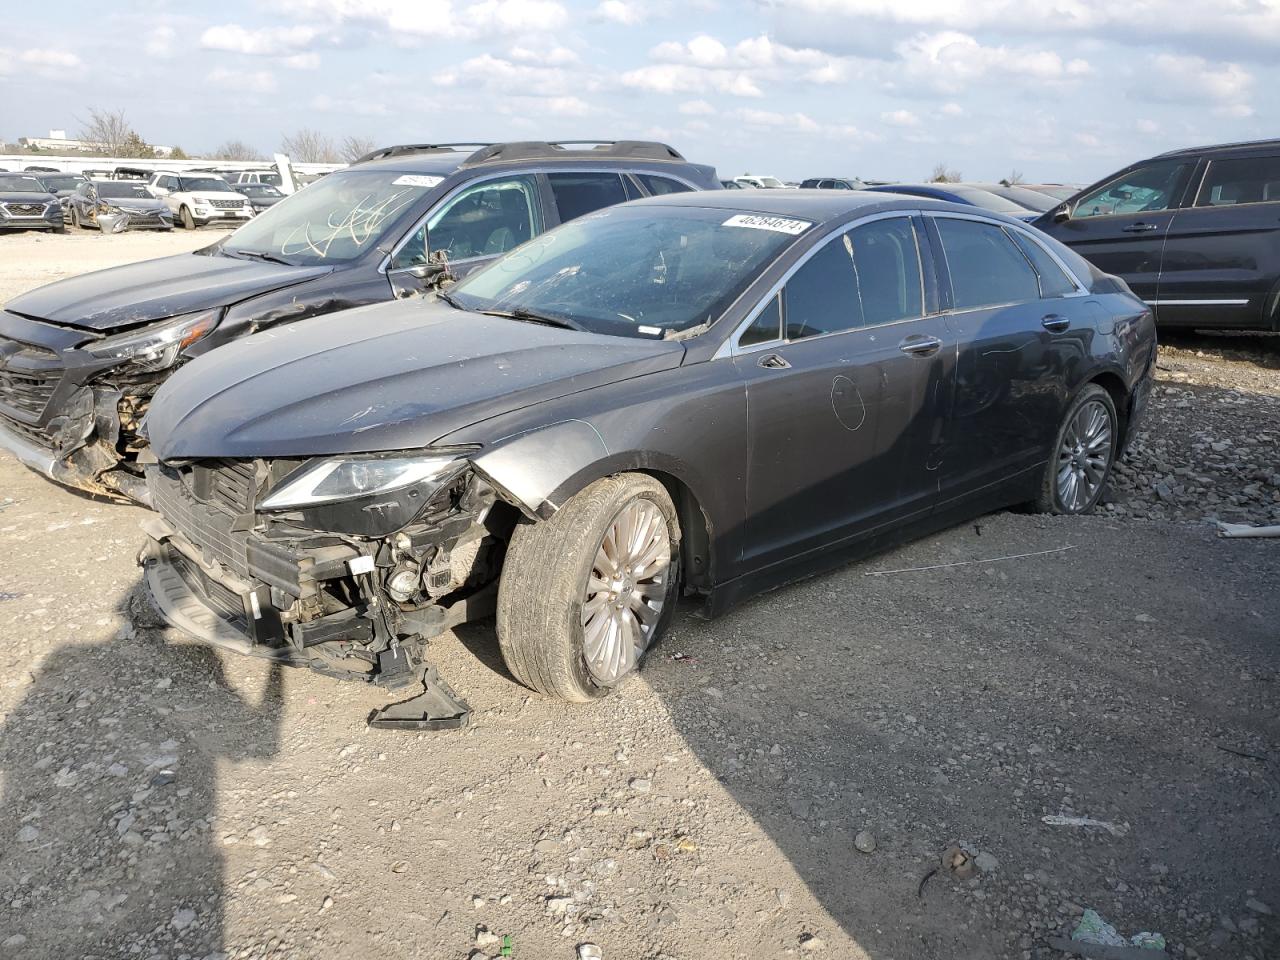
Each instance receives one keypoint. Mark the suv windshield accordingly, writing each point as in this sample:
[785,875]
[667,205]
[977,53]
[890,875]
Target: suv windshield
[334,220]
[204,185]
[640,272]
[116,188]
[22,185]
[69,182]
[258,190]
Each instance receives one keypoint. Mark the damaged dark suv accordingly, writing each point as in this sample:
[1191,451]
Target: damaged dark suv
[712,394]
[81,358]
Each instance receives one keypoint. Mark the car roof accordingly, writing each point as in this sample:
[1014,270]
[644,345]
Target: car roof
[1241,147]
[818,206]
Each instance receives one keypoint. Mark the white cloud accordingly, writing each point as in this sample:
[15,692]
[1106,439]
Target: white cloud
[40,62]
[567,106]
[357,106]
[782,121]
[408,22]
[953,110]
[900,118]
[1180,77]
[263,42]
[1147,126]
[243,81]
[680,78]
[487,74]
[161,41]
[696,108]
[950,60]
[620,11]
[555,57]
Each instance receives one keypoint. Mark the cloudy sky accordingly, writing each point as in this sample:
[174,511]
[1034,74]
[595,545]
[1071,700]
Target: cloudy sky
[1061,90]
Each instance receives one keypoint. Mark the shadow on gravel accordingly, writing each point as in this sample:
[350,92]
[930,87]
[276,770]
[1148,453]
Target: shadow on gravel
[962,705]
[109,796]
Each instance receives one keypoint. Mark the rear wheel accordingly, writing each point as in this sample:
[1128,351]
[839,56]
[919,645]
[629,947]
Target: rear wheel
[585,594]
[1083,455]
[188,221]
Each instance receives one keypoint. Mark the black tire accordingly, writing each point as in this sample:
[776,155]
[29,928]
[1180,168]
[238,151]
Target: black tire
[75,218]
[544,577]
[1050,498]
[60,228]
[188,221]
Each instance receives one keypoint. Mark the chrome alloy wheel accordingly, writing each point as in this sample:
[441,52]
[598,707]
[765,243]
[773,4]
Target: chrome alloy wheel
[626,590]
[1084,456]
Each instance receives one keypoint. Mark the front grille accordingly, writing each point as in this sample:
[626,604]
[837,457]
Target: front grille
[202,503]
[28,376]
[26,431]
[227,204]
[25,209]
[225,601]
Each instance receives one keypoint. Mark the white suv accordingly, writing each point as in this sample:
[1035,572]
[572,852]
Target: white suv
[199,198]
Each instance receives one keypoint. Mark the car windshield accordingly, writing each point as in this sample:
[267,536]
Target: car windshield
[772,182]
[334,220]
[204,185]
[119,188]
[62,183]
[642,271]
[22,184]
[259,190]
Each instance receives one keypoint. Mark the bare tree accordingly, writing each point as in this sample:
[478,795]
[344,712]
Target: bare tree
[944,174]
[353,148]
[1014,178]
[107,131]
[309,146]
[236,150]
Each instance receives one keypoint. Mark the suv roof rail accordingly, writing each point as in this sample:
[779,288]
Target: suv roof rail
[400,150]
[1220,146]
[546,149]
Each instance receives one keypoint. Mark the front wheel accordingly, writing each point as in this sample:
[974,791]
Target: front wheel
[585,594]
[1083,455]
[188,221]
[75,219]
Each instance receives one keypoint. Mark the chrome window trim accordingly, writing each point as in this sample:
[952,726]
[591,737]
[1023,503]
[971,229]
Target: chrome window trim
[506,175]
[731,348]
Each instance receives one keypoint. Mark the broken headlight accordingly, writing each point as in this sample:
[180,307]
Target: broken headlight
[349,478]
[156,347]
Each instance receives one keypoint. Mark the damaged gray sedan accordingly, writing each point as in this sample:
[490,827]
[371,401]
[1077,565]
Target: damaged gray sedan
[702,395]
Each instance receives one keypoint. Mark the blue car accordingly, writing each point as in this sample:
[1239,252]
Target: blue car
[960,193]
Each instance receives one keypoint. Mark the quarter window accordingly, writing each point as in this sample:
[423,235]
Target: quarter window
[1147,189]
[657,186]
[1053,280]
[986,267]
[581,193]
[1247,180]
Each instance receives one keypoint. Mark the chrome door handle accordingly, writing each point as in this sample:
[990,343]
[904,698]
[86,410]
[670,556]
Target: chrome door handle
[920,346]
[1138,227]
[1055,323]
[772,361]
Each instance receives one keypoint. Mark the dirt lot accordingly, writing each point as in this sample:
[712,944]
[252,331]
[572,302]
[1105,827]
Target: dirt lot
[161,800]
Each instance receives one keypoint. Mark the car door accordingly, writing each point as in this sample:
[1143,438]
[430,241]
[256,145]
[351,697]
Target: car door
[1222,254]
[470,227]
[1121,226]
[843,370]
[1019,320]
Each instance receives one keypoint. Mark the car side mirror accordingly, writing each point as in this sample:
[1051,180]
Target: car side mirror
[428,272]
[1062,213]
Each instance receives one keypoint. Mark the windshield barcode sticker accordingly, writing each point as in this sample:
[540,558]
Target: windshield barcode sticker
[416,180]
[758,221]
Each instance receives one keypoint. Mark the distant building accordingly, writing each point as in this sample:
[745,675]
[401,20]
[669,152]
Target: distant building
[58,142]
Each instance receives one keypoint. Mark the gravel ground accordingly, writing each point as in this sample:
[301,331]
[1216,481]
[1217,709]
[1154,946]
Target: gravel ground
[160,799]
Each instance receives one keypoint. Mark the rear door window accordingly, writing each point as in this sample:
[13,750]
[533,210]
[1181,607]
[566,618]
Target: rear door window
[577,194]
[822,296]
[886,260]
[986,267]
[1244,180]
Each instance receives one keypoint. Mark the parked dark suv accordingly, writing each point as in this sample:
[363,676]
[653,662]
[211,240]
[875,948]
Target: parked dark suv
[80,359]
[1195,232]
